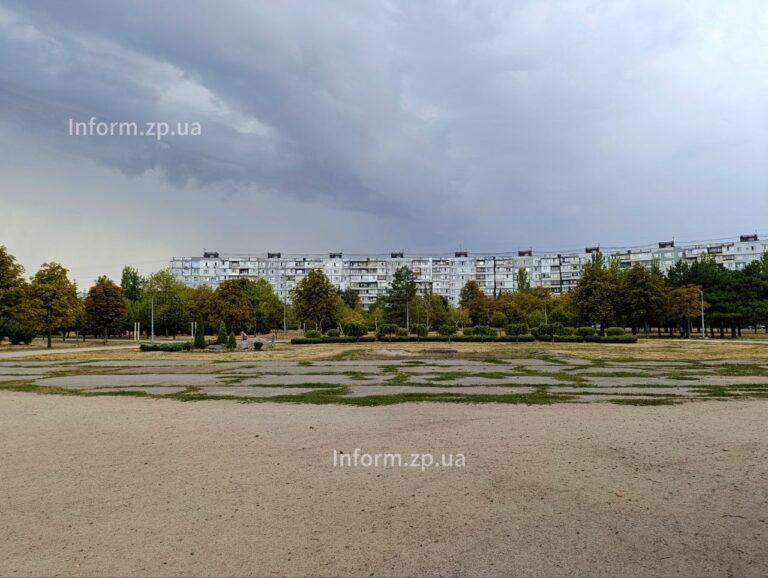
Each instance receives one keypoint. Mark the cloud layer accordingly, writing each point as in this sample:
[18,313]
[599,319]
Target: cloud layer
[368,126]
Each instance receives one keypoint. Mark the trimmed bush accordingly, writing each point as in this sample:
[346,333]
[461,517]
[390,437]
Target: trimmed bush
[257,345]
[231,342]
[585,331]
[386,330]
[19,333]
[468,331]
[518,329]
[611,339]
[175,346]
[221,339]
[316,340]
[547,331]
[419,330]
[312,334]
[567,338]
[447,330]
[402,332]
[485,331]
[200,338]
[355,329]
[614,331]
[333,333]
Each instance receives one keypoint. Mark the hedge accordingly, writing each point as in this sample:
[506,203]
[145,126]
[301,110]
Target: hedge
[313,340]
[175,346]
[611,339]
[428,338]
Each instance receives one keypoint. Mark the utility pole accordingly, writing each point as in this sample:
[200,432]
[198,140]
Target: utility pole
[285,305]
[703,330]
[152,338]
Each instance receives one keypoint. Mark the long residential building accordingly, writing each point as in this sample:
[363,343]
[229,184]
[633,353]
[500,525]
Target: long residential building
[370,275]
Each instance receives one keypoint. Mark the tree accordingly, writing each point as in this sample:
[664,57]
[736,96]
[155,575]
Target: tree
[171,303]
[314,300]
[221,338]
[351,298]
[522,281]
[642,302]
[596,293]
[399,297]
[131,283]
[231,342]
[105,306]
[12,285]
[266,305]
[475,302]
[233,304]
[683,304]
[53,299]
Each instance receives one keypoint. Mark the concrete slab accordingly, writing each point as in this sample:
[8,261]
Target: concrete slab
[362,391]
[112,380]
[241,391]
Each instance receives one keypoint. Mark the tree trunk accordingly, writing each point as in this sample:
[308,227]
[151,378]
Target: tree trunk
[106,336]
[48,337]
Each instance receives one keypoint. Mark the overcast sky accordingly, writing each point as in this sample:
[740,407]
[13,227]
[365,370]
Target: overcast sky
[377,126]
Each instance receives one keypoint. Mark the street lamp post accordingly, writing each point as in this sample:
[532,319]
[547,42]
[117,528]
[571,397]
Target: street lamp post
[152,338]
[703,329]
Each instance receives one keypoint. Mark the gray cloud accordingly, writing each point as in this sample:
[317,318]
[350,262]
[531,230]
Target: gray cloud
[409,124]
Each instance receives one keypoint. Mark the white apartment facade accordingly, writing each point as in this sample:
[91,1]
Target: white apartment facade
[370,275]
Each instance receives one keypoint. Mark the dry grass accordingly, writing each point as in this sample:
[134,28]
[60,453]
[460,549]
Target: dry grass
[650,349]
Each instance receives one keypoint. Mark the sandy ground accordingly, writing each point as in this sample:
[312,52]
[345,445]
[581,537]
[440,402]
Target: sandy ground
[130,486]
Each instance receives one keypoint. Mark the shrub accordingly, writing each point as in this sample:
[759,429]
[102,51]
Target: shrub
[567,338]
[485,331]
[614,331]
[468,331]
[19,333]
[516,329]
[548,330]
[221,339]
[447,330]
[231,342]
[187,345]
[498,319]
[354,329]
[200,338]
[386,330]
[611,339]
[312,334]
[585,331]
[402,332]
[333,333]
[257,345]
[176,346]
[419,330]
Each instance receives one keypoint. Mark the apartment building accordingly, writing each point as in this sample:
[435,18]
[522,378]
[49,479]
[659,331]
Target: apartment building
[370,275]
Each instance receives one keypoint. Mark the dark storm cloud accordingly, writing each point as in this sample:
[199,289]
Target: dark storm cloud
[489,124]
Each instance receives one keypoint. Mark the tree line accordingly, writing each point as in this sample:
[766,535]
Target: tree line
[641,298]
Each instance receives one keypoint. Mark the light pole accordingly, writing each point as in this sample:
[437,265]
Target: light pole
[152,338]
[703,330]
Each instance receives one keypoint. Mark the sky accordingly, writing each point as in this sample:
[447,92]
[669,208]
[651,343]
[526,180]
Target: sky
[365,126]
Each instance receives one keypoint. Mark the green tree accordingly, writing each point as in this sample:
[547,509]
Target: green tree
[351,298]
[314,300]
[54,299]
[105,306]
[399,297]
[12,285]
[131,283]
[171,304]
[477,303]
[522,280]
[596,293]
[642,297]
[221,338]
[233,304]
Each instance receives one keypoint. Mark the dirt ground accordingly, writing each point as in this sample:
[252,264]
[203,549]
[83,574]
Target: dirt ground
[130,486]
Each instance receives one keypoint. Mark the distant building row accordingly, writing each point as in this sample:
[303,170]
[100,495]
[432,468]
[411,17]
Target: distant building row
[370,276]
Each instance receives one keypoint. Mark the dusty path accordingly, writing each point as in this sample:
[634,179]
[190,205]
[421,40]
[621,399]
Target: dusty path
[130,486]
